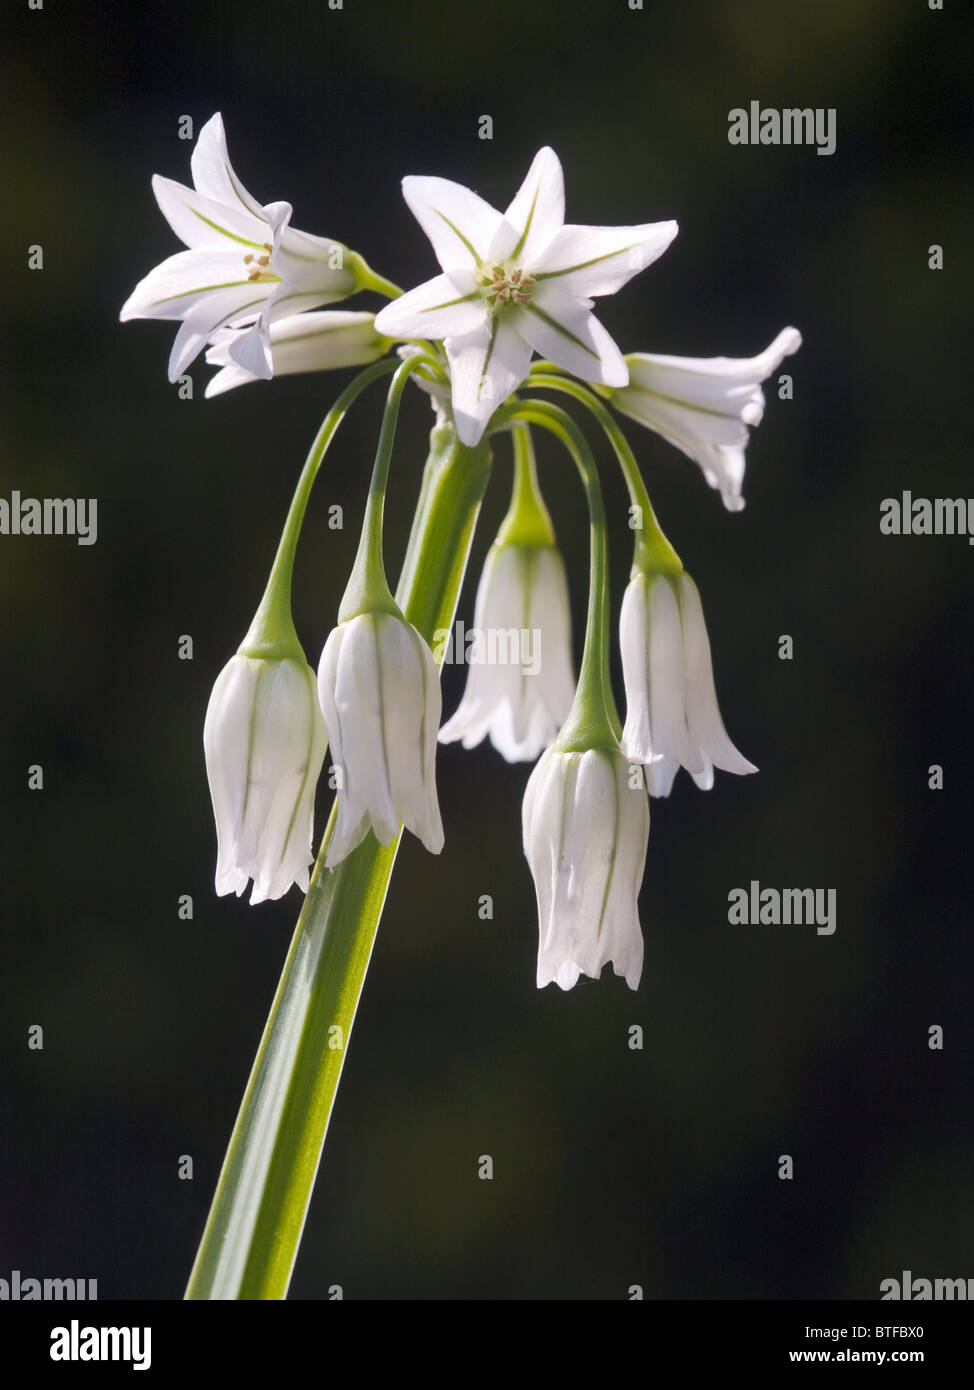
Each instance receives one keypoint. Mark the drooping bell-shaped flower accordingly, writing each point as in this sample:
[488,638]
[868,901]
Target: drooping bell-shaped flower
[672,718]
[586,828]
[380,695]
[264,741]
[704,405]
[520,681]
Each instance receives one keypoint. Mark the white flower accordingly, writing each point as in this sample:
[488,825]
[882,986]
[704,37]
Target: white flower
[672,719]
[704,406]
[585,835]
[513,283]
[315,342]
[521,704]
[245,264]
[264,741]
[380,694]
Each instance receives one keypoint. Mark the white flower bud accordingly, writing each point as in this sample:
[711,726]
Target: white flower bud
[264,741]
[316,342]
[380,695]
[586,829]
[672,719]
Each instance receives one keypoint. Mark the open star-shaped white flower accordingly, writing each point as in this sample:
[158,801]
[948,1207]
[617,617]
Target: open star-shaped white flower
[514,283]
[245,264]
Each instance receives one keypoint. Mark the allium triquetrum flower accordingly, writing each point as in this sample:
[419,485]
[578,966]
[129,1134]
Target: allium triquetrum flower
[672,718]
[704,405]
[317,342]
[522,590]
[514,283]
[245,265]
[380,694]
[586,830]
[265,741]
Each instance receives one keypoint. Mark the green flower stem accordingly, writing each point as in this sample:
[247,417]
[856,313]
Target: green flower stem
[592,720]
[271,634]
[370,280]
[653,553]
[255,1223]
[528,521]
[367,590]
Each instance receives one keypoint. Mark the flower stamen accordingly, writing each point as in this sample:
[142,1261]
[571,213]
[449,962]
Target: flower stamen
[259,270]
[505,284]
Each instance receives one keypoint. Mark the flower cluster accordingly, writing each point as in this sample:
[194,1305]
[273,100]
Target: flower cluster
[248,292]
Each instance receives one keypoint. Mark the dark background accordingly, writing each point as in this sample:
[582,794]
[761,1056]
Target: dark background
[612,1167]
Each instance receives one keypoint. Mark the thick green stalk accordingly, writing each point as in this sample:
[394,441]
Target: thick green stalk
[258,1213]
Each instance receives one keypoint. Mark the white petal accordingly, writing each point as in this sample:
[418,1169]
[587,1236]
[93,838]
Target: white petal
[211,312]
[485,367]
[536,213]
[668,679]
[251,350]
[523,742]
[550,616]
[411,714]
[314,342]
[359,693]
[660,776]
[714,377]
[352,823]
[706,726]
[179,282]
[447,305]
[286,765]
[600,260]
[637,739]
[428,826]
[227,379]
[226,743]
[704,406]
[312,269]
[213,174]
[459,224]
[566,330]
[201,222]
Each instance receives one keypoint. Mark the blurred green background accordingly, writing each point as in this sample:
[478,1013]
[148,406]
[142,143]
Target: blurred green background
[612,1167]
